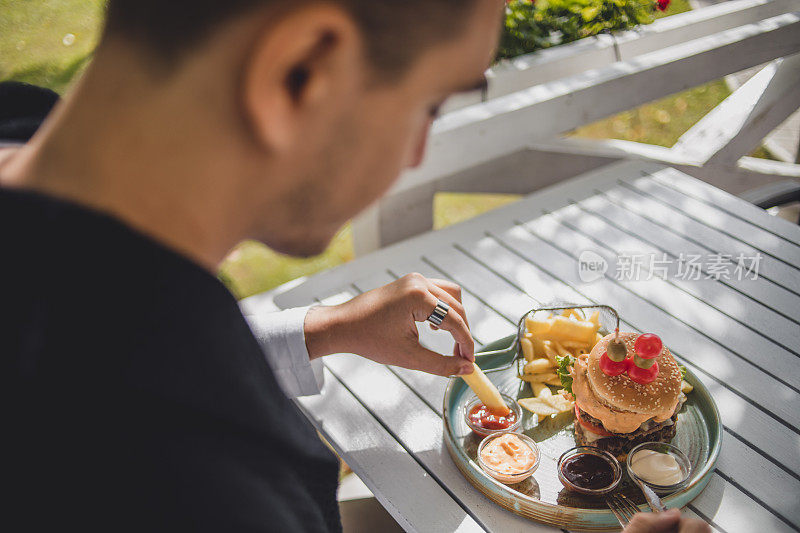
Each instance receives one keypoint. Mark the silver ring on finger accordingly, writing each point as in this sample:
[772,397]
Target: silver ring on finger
[439,312]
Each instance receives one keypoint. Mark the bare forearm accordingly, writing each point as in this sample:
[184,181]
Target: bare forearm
[323,331]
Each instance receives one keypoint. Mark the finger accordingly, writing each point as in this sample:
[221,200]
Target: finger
[454,323]
[693,525]
[434,363]
[449,299]
[453,289]
[665,522]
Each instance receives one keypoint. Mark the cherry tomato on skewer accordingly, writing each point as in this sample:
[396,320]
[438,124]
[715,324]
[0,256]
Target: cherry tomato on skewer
[613,368]
[641,375]
[648,346]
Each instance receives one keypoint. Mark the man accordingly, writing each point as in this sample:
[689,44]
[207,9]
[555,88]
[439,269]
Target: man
[137,397]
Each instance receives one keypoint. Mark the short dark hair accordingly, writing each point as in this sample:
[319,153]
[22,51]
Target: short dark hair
[396,31]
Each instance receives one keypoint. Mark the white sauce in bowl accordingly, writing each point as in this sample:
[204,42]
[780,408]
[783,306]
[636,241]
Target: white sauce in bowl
[657,468]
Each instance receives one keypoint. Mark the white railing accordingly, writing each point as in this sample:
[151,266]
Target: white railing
[509,138]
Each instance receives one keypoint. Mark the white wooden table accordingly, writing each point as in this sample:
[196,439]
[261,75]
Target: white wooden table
[740,337]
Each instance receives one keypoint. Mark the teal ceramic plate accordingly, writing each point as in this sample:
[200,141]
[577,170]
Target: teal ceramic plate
[542,497]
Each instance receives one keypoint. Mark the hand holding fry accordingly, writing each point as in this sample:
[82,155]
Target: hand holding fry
[382,325]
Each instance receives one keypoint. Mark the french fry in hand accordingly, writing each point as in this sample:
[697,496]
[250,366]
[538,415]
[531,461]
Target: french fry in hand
[486,391]
[539,378]
[527,349]
[538,366]
[595,319]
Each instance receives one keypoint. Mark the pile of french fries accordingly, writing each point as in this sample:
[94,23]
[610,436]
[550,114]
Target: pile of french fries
[559,335]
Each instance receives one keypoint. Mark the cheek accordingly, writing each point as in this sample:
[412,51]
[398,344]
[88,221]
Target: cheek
[385,144]
[402,146]
[392,144]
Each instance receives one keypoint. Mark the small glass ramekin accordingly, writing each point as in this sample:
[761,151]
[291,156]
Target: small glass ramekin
[593,450]
[503,477]
[662,447]
[483,432]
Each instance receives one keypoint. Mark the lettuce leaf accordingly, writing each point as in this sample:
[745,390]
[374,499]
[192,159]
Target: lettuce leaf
[683,371]
[563,371]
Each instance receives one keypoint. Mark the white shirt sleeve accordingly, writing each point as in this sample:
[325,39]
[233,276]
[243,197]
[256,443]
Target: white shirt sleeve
[282,338]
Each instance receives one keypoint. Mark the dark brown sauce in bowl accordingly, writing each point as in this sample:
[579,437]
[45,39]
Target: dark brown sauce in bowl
[589,470]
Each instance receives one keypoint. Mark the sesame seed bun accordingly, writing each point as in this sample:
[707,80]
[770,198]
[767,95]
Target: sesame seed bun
[621,393]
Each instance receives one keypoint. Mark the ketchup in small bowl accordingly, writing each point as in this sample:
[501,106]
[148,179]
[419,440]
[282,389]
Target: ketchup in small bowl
[589,470]
[483,422]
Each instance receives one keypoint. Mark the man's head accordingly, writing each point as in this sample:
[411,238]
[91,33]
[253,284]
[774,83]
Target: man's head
[313,108]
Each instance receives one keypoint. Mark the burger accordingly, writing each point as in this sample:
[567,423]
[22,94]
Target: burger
[622,403]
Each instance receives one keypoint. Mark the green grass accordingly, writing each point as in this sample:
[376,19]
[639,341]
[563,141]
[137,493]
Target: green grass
[661,122]
[33,49]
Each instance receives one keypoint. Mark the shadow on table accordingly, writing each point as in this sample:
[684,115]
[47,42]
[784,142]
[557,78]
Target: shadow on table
[366,515]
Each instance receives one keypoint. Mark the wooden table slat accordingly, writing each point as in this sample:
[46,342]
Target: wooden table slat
[712,238]
[615,203]
[734,511]
[382,463]
[748,310]
[743,231]
[728,203]
[420,429]
[760,336]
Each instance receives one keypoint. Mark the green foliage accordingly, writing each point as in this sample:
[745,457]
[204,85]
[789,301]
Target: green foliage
[531,26]
[564,364]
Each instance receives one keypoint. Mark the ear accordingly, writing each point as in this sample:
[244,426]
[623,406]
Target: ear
[299,66]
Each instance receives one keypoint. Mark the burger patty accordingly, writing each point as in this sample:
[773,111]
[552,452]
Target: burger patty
[621,443]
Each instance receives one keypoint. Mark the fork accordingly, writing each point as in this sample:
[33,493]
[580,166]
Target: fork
[622,507]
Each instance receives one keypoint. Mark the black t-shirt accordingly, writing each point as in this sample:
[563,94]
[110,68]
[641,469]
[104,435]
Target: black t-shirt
[134,395]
